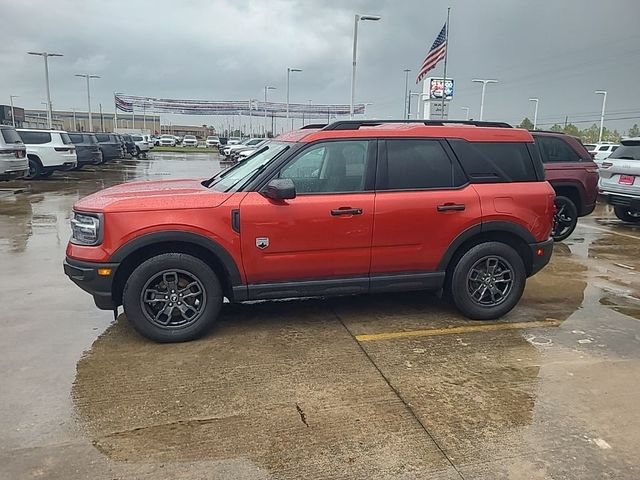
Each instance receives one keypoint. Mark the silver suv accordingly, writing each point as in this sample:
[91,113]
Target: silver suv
[13,154]
[620,180]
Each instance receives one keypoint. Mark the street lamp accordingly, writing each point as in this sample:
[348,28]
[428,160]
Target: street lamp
[87,76]
[466,112]
[13,113]
[414,94]
[358,18]
[266,89]
[604,106]
[46,55]
[406,98]
[535,112]
[484,86]
[289,70]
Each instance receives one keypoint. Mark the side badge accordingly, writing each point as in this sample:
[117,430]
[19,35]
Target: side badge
[262,242]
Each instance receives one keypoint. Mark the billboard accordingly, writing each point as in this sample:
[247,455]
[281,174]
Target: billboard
[435,88]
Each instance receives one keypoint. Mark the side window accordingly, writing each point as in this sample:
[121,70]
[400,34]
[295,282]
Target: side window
[603,148]
[35,138]
[414,164]
[329,167]
[496,162]
[557,150]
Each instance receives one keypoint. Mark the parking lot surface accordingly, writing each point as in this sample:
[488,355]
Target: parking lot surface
[387,386]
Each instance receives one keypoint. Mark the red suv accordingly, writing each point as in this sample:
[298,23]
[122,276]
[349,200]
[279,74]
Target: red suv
[347,208]
[573,174]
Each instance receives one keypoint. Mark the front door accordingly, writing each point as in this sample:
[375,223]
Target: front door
[322,234]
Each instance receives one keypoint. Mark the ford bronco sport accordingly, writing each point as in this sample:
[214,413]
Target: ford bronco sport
[347,208]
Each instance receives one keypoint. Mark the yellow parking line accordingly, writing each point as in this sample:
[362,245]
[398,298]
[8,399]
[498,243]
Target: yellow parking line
[432,332]
[610,231]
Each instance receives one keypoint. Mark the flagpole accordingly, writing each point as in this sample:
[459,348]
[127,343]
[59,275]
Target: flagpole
[115,112]
[446,54]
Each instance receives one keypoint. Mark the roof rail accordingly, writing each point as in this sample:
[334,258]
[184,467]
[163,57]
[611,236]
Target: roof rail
[546,131]
[356,124]
[313,125]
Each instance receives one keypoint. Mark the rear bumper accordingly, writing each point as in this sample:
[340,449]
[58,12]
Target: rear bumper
[85,275]
[621,200]
[540,255]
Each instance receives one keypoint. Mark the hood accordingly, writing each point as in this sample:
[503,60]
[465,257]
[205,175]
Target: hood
[160,195]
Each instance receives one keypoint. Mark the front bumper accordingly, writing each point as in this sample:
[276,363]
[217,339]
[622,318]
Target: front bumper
[85,275]
[540,255]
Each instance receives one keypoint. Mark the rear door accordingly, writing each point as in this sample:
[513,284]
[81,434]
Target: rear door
[423,202]
[325,232]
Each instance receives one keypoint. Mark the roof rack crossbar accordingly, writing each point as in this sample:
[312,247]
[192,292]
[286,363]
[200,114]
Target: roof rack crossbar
[313,125]
[356,124]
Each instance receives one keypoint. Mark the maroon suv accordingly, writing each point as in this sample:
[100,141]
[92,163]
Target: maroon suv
[573,175]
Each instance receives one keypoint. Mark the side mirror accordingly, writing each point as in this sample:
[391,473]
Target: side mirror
[280,189]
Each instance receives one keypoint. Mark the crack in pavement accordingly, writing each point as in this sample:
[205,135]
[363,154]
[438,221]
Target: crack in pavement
[303,416]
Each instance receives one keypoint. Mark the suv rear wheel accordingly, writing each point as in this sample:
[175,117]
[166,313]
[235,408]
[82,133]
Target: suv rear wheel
[627,214]
[565,219]
[488,281]
[172,297]
[35,169]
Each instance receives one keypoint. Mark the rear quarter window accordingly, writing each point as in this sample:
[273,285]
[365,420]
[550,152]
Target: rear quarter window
[76,137]
[496,162]
[35,138]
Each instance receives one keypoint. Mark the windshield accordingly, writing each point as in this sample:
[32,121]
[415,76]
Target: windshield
[239,174]
[10,135]
[629,150]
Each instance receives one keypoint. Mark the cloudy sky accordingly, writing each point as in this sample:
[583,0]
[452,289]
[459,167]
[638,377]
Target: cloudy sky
[557,50]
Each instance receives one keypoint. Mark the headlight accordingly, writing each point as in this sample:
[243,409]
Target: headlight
[86,228]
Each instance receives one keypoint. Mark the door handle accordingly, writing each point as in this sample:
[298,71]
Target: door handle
[346,211]
[451,206]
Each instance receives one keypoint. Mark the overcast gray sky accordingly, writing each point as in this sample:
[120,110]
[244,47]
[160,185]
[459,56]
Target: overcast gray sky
[557,50]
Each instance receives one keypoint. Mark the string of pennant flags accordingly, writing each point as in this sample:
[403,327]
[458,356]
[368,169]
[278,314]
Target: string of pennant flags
[129,103]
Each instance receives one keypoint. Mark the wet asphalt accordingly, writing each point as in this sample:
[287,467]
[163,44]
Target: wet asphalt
[387,386]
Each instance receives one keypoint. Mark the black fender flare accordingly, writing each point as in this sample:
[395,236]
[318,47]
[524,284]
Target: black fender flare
[495,226]
[185,237]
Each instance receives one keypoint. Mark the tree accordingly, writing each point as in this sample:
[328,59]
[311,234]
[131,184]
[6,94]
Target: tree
[557,128]
[571,129]
[526,124]
[634,131]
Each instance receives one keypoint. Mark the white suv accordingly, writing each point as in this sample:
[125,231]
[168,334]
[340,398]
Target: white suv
[142,145]
[13,157]
[189,141]
[212,141]
[619,181]
[48,151]
[601,151]
[167,141]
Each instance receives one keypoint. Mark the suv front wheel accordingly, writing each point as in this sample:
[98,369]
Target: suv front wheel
[172,297]
[488,281]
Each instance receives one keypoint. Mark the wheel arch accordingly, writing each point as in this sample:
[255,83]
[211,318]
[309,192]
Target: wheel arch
[33,156]
[512,234]
[572,191]
[133,253]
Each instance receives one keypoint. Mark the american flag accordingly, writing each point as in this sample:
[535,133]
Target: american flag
[438,52]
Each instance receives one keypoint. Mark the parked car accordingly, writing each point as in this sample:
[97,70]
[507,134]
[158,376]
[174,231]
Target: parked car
[338,210]
[13,154]
[620,180]
[110,146]
[251,146]
[602,150]
[87,148]
[141,144]
[234,140]
[150,141]
[189,141]
[212,141]
[572,173]
[247,142]
[48,151]
[167,141]
[129,144]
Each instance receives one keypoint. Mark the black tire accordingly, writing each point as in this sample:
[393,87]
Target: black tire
[46,174]
[137,151]
[565,219]
[35,169]
[627,214]
[148,294]
[466,284]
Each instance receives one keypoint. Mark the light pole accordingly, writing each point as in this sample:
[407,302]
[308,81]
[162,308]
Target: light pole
[466,112]
[75,124]
[535,112]
[604,106]
[46,56]
[13,113]
[87,76]
[406,98]
[484,86]
[266,89]
[289,70]
[414,94]
[358,18]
